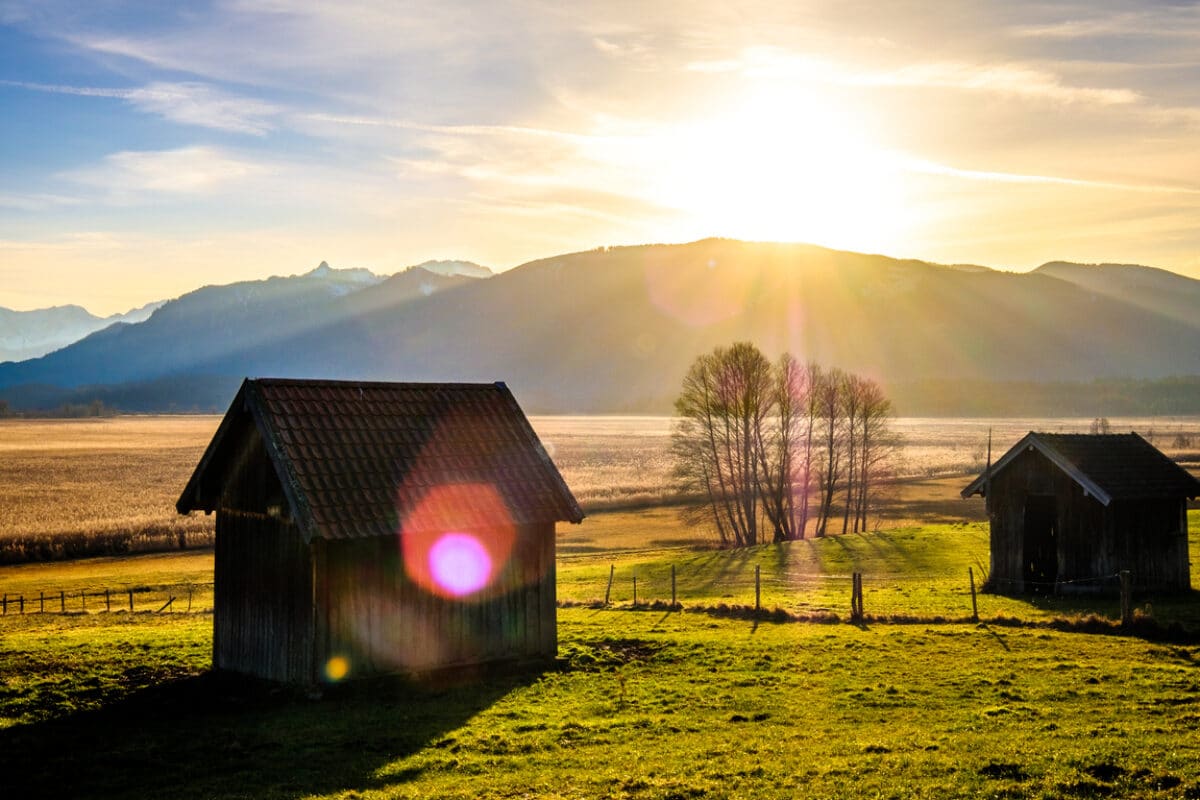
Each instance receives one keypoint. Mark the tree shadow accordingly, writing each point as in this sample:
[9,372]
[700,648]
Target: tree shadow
[220,735]
[731,565]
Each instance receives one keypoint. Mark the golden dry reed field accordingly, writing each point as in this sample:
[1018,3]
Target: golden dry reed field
[66,483]
[108,486]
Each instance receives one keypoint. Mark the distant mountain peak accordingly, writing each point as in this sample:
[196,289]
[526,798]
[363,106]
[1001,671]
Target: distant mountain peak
[31,334]
[449,269]
[344,281]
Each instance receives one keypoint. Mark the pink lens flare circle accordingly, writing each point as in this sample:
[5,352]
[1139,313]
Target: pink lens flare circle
[460,564]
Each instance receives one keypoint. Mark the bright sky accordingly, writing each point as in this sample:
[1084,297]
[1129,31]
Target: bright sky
[150,148]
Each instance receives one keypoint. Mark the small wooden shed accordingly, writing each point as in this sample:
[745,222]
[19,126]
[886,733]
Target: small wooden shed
[378,527]
[1069,512]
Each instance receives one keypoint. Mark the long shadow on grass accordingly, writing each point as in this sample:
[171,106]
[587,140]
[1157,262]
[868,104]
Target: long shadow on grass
[217,735]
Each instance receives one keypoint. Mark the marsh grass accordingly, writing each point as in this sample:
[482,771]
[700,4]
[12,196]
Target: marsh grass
[75,488]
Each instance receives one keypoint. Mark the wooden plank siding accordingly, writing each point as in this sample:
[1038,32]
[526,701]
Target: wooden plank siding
[380,620]
[1093,542]
[262,607]
[263,602]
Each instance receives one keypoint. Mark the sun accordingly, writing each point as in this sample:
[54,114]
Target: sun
[782,166]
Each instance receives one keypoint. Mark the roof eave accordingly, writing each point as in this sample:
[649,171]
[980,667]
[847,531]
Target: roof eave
[191,499]
[574,514]
[1031,441]
[292,491]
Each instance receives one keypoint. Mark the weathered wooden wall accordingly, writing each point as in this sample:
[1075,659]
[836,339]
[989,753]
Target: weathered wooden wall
[1153,543]
[1147,537]
[379,620]
[263,601]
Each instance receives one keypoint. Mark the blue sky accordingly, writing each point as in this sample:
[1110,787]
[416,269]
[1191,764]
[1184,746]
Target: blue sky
[150,148]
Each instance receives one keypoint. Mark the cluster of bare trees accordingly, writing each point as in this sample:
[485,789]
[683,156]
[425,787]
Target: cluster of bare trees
[770,449]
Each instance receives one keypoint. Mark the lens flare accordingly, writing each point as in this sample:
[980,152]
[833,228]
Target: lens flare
[337,668]
[460,564]
[458,541]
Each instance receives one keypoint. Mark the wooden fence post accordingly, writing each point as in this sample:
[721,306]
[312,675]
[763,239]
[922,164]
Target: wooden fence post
[757,588]
[635,590]
[82,600]
[189,598]
[42,601]
[5,604]
[62,601]
[856,597]
[853,596]
[672,586]
[22,602]
[612,569]
[1126,598]
[107,601]
[131,601]
[974,604]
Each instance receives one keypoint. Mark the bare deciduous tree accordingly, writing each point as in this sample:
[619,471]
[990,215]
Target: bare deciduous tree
[723,404]
[754,442]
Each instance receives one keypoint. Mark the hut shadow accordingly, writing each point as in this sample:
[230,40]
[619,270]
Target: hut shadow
[218,735]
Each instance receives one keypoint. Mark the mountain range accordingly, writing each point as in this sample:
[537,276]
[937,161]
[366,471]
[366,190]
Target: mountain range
[29,334]
[614,329]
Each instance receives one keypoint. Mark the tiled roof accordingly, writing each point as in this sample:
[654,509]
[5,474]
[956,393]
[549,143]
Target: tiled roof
[364,459]
[1109,466]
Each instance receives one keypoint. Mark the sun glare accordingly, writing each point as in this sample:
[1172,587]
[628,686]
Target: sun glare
[785,166]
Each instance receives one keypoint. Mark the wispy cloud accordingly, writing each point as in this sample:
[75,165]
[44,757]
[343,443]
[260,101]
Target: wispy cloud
[933,168]
[190,103]
[1167,21]
[78,91]
[35,202]
[1007,79]
[205,106]
[1014,79]
[190,170]
[453,130]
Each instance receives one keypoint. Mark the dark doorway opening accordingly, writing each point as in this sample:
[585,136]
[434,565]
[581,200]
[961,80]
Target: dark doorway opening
[1041,544]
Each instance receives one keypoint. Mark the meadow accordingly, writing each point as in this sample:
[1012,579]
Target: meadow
[643,704]
[1042,697]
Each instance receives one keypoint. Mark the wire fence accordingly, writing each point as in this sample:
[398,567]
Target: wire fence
[746,588]
[177,598]
[933,596]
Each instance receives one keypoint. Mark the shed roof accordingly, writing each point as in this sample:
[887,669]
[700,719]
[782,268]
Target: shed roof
[359,459]
[1107,466]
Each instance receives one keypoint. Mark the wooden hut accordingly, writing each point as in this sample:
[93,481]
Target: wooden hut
[1069,512]
[378,527]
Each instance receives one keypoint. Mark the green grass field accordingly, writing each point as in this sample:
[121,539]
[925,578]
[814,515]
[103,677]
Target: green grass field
[642,704]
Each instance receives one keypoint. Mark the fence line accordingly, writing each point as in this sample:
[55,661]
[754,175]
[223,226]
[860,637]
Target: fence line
[749,590]
[649,589]
[155,599]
